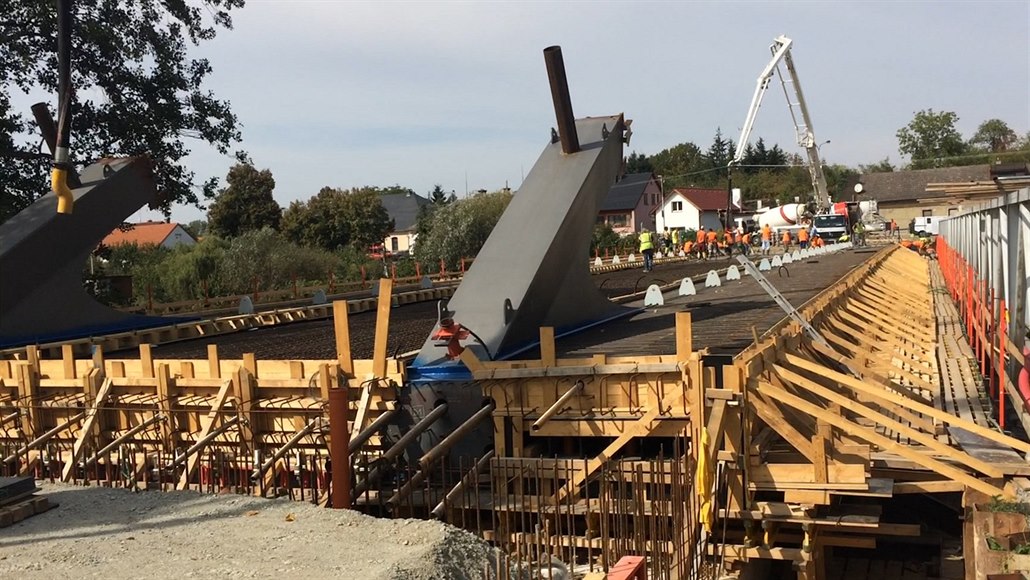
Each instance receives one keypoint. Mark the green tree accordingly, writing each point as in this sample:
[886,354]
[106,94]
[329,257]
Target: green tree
[681,165]
[438,196]
[458,230]
[930,139]
[135,54]
[993,136]
[335,218]
[196,228]
[719,153]
[882,166]
[320,222]
[245,204]
[638,163]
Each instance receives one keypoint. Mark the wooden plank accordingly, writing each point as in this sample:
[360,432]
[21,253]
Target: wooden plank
[881,441]
[92,414]
[362,410]
[207,423]
[547,356]
[382,328]
[684,336]
[640,428]
[772,417]
[947,486]
[341,332]
[889,397]
[856,407]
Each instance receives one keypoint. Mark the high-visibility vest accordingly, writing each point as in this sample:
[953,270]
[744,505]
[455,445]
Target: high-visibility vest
[802,235]
[766,233]
[645,241]
[675,237]
[786,237]
[712,236]
[700,236]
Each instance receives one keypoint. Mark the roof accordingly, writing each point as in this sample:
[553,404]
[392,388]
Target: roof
[403,209]
[141,234]
[625,194]
[704,199]
[911,185]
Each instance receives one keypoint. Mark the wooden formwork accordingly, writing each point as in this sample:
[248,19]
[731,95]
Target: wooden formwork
[151,420]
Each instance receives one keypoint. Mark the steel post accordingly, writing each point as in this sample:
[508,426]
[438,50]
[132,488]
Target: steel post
[339,443]
[562,102]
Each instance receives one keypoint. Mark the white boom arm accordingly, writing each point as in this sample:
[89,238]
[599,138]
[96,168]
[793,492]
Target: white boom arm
[805,135]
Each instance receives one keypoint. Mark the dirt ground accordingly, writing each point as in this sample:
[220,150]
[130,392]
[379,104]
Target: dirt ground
[115,533]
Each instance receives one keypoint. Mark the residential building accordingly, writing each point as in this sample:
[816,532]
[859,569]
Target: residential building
[901,195]
[689,208]
[629,204]
[403,209]
[168,235]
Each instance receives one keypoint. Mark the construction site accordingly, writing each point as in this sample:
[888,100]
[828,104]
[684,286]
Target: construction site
[823,413]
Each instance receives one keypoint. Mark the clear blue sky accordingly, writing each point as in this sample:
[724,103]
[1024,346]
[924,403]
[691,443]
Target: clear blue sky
[417,93]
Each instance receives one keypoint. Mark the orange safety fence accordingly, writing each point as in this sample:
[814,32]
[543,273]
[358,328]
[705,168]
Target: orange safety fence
[984,318]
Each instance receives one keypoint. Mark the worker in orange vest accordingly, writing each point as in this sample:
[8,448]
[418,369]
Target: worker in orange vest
[803,238]
[786,240]
[746,242]
[712,242]
[766,238]
[700,242]
[687,247]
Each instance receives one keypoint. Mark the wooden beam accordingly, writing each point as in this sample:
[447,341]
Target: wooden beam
[207,422]
[879,440]
[92,415]
[858,408]
[547,352]
[382,328]
[928,487]
[890,397]
[684,336]
[341,331]
[775,419]
[363,404]
[641,428]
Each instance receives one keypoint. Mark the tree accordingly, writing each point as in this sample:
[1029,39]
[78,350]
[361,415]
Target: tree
[638,163]
[681,165]
[438,196]
[882,166]
[930,138]
[245,204]
[458,230]
[336,218]
[135,55]
[719,154]
[196,228]
[993,136]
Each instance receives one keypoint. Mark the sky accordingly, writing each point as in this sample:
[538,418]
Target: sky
[347,94]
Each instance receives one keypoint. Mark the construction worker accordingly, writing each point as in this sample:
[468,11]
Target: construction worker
[675,238]
[803,238]
[894,229]
[746,245]
[766,238]
[859,231]
[647,249]
[711,242]
[688,246]
[700,242]
[727,237]
[785,240]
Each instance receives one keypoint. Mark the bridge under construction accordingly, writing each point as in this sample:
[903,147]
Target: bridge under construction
[839,412]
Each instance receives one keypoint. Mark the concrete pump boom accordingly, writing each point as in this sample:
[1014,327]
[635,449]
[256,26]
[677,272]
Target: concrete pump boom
[803,130]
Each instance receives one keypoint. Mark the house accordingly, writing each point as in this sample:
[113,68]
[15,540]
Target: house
[901,195]
[689,208]
[167,235]
[629,204]
[403,209]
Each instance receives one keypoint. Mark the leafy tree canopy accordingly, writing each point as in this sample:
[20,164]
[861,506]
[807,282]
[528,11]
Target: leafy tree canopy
[459,230]
[931,138]
[151,95]
[638,163]
[246,204]
[336,218]
[993,136]
[882,166]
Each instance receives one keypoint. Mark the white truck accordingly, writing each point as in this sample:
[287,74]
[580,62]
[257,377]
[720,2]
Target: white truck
[926,226]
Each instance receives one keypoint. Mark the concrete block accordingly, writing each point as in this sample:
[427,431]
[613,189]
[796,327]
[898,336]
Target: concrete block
[653,297]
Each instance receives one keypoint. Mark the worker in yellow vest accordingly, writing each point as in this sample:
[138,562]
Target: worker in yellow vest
[647,249]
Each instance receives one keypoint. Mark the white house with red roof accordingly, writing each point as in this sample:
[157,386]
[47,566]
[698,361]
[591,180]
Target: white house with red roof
[163,234]
[689,208]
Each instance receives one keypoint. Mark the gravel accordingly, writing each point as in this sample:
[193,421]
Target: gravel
[115,533]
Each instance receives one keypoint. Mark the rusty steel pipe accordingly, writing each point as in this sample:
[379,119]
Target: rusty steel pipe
[558,405]
[562,103]
[122,438]
[45,437]
[397,448]
[259,472]
[339,447]
[201,443]
[452,495]
[358,440]
[430,457]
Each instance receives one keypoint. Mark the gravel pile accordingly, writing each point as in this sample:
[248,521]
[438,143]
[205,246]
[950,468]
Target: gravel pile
[114,533]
